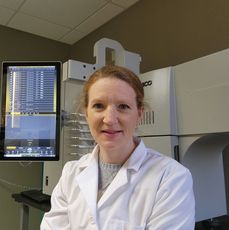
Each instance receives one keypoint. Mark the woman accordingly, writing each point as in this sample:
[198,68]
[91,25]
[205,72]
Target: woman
[121,184]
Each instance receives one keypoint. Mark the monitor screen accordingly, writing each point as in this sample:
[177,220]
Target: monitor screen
[30,111]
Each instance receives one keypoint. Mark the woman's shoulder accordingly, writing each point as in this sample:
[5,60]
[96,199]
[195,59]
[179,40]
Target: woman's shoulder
[168,163]
[72,166]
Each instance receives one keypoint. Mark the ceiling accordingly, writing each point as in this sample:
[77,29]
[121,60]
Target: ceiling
[62,20]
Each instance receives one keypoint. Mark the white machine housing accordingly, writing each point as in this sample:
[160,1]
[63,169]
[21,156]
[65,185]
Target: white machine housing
[158,127]
[202,91]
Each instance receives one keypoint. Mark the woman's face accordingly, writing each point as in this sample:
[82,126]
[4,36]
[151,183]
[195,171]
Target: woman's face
[112,115]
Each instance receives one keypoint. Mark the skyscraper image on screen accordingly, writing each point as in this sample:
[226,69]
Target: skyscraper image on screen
[30,111]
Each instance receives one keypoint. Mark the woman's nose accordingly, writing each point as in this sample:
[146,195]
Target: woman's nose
[110,116]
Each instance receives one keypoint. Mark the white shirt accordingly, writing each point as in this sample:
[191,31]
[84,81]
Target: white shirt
[150,191]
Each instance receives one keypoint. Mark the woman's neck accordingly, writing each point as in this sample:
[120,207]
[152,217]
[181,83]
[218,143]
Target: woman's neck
[116,156]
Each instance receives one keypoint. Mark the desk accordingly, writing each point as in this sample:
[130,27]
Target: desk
[26,203]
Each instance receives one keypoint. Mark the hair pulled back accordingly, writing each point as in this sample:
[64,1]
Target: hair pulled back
[118,72]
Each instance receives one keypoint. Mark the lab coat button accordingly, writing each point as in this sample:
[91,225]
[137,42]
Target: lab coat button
[91,220]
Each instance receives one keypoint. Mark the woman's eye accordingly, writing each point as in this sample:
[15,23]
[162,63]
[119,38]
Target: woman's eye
[123,106]
[98,106]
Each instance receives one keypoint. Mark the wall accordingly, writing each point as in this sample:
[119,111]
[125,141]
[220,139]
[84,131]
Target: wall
[15,177]
[164,32]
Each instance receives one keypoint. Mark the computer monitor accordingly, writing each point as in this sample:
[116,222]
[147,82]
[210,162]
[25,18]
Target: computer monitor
[30,111]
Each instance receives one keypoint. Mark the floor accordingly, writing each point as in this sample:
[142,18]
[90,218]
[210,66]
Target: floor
[219,223]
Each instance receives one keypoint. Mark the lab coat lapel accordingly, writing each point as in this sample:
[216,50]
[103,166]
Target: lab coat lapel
[123,176]
[88,183]
[119,181]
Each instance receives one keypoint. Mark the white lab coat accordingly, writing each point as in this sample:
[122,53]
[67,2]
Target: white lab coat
[150,191]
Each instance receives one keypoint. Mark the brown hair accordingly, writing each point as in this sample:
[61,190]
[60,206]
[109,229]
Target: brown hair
[118,72]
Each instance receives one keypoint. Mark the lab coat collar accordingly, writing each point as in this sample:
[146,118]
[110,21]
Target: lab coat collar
[137,157]
[92,159]
[134,162]
[121,179]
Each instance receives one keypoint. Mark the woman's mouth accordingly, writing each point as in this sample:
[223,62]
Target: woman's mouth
[111,132]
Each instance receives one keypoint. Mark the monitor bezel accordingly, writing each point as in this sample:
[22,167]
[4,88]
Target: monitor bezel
[3,82]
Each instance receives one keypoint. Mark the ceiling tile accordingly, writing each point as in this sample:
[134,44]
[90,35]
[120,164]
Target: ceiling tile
[99,18]
[68,13]
[124,3]
[67,21]
[5,15]
[12,4]
[72,37]
[37,26]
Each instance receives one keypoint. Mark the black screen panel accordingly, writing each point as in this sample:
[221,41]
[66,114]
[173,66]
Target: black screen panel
[30,111]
